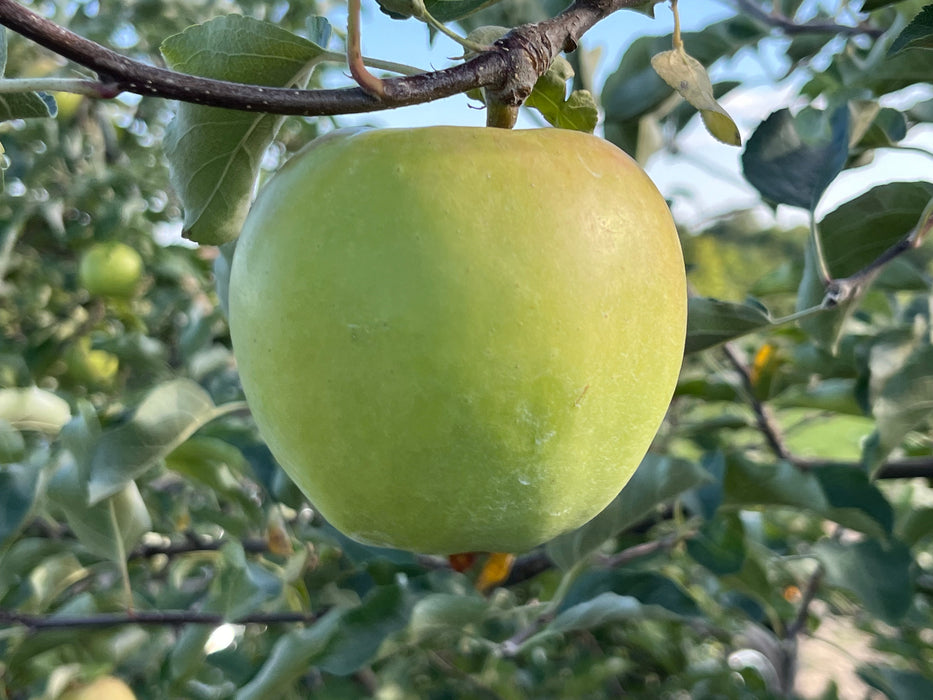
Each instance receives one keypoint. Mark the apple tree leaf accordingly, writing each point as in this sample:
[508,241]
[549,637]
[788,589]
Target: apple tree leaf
[648,587]
[878,574]
[658,480]
[19,486]
[215,154]
[842,494]
[577,112]
[167,417]
[719,545]
[441,10]
[792,159]
[917,34]
[108,528]
[858,231]
[21,105]
[902,399]
[436,613]
[32,408]
[711,322]
[687,76]
[340,642]
[896,682]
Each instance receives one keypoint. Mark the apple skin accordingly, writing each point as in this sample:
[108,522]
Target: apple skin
[111,269]
[459,339]
[103,688]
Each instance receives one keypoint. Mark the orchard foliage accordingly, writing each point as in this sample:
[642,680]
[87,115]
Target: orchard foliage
[146,531]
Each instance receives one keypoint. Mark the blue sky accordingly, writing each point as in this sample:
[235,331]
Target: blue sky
[704,179]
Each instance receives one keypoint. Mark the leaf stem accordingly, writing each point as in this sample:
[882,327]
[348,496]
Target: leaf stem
[78,86]
[678,40]
[366,80]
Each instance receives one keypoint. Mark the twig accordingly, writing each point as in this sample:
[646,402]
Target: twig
[509,69]
[809,594]
[907,468]
[763,416]
[790,27]
[643,550]
[37,623]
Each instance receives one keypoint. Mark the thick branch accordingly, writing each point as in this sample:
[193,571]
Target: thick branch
[510,69]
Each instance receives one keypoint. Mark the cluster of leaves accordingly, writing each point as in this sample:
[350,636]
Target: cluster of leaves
[146,531]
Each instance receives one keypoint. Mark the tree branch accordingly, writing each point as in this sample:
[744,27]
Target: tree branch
[790,27]
[37,623]
[765,419]
[509,70]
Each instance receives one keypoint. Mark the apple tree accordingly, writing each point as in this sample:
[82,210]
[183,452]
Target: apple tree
[775,541]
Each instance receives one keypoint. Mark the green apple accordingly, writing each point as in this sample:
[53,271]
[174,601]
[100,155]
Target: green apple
[86,365]
[459,339]
[110,268]
[103,688]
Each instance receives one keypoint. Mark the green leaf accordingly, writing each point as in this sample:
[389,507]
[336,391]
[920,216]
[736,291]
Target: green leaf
[442,612]
[33,408]
[902,402]
[24,105]
[19,485]
[834,394]
[340,642]
[658,480]
[858,231]
[793,159]
[605,609]
[879,576]
[12,443]
[855,501]
[688,77]
[167,417]
[578,112]
[241,586]
[720,544]
[917,34]
[107,529]
[648,587]
[441,10]
[843,494]
[711,322]
[897,683]
[215,154]
[20,105]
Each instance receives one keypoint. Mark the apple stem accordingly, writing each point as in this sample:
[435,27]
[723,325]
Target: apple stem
[499,114]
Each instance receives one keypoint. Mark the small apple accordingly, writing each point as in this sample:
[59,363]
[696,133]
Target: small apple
[103,688]
[94,368]
[459,339]
[111,269]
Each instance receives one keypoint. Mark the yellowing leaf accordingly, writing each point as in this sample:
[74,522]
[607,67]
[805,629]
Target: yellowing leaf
[687,76]
[495,570]
[721,126]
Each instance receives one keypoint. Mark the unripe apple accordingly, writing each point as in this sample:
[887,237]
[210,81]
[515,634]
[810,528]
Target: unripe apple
[459,339]
[110,268]
[91,367]
[103,688]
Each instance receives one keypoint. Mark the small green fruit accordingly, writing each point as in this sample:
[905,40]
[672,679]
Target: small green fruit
[103,688]
[94,368]
[110,269]
[459,339]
